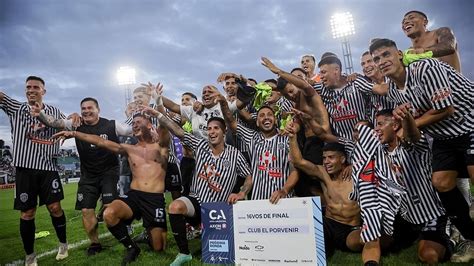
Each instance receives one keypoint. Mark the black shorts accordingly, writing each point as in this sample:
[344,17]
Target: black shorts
[335,234]
[173,178]
[454,154]
[31,184]
[312,151]
[91,187]
[406,233]
[150,207]
[436,230]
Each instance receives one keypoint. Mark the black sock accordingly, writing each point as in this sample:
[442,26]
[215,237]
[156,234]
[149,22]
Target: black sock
[178,226]
[59,224]
[120,232]
[458,211]
[27,232]
[371,263]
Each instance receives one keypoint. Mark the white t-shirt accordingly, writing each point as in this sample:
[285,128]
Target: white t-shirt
[199,122]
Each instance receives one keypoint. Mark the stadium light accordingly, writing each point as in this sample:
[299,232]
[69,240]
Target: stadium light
[126,75]
[342,26]
[126,78]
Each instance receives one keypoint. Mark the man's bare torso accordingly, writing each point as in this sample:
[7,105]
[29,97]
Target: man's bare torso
[148,162]
[338,205]
[429,39]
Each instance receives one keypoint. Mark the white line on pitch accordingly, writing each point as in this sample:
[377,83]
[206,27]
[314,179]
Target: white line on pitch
[70,247]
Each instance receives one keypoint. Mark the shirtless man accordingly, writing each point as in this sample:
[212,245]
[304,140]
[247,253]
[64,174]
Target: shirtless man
[148,162]
[342,217]
[440,41]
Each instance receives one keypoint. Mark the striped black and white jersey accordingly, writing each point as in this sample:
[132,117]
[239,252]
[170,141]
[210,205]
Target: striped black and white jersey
[32,144]
[378,103]
[399,179]
[284,104]
[379,197]
[349,146]
[432,84]
[411,164]
[269,159]
[214,176]
[346,106]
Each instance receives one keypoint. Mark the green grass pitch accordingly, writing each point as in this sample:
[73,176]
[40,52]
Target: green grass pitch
[11,248]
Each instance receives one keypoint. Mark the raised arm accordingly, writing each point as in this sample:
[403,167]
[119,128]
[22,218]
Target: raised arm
[93,139]
[165,122]
[300,163]
[320,112]
[172,106]
[156,93]
[411,133]
[226,112]
[246,116]
[308,90]
[315,126]
[321,133]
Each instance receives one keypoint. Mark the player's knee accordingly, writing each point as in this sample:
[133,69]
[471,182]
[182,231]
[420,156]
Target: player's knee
[88,213]
[444,183]
[428,256]
[177,207]
[158,247]
[55,209]
[28,214]
[110,216]
[354,244]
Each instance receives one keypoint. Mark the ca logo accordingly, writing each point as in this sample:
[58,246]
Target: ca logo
[214,216]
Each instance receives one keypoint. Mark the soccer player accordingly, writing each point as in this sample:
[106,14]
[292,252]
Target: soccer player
[441,102]
[441,41]
[199,118]
[273,176]
[143,95]
[372,73]
[99,167]
[342,216]
[36,172]
[308,64]
[148,161]
[187,162]
[217,168]
[409,158]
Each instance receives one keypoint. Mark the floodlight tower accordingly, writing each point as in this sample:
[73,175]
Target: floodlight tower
[342,26]
[126,78]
